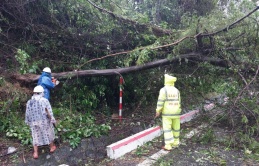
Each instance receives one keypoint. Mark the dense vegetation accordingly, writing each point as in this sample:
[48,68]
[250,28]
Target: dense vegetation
[209,45]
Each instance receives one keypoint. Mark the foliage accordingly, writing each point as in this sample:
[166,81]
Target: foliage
[141,89]
[75,126]
[21,133]
[143,150]
[14,127]
[207,137]
[82,95]
[22,57]
[12,99]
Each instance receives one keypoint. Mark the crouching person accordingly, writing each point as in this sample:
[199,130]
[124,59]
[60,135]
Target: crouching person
[39,117]
[169,104]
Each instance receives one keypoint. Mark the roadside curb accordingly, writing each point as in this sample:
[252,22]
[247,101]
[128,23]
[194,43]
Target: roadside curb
[152,159]
[126,145]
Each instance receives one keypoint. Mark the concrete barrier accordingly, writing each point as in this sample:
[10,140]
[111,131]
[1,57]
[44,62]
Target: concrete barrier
[126,145]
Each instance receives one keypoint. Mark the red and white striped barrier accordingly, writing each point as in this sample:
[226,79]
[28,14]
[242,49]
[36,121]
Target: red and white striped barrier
[188,116]
[126,145]
[120,104]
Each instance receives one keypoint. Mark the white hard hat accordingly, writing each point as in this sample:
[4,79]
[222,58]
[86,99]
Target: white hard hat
[38,89]
[47,69]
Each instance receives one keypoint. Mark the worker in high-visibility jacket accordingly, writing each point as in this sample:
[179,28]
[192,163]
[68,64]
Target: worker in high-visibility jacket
[169,104]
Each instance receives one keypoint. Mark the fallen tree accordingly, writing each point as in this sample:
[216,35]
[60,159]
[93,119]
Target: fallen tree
[194,56]
[82,73]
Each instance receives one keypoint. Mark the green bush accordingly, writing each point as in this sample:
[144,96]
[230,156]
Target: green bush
[21,132]
[76,125]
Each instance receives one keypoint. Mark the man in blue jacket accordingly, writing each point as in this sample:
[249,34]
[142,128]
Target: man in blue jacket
[46,82]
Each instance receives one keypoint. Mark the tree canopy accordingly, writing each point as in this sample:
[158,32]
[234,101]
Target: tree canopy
[87,35]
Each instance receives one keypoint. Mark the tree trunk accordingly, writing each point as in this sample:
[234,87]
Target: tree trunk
[28,78]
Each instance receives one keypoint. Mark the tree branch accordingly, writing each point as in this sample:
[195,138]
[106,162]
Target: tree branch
[156,29]
[231,25]
[129,51]
[28,78]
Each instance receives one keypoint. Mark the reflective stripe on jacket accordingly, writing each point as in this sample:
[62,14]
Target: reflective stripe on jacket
[169,102]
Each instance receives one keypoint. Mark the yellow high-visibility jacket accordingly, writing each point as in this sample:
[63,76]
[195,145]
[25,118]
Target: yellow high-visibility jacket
[169,101]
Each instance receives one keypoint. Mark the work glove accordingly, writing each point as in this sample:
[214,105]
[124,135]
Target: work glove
[55,81]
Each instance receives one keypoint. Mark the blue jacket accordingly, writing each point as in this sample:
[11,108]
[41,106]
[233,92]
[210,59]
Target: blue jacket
[46,83]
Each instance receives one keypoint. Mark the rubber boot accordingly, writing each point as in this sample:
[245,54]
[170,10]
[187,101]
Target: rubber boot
[176,143]
[167,147]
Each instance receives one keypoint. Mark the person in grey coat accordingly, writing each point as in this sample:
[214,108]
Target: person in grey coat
[39,117]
